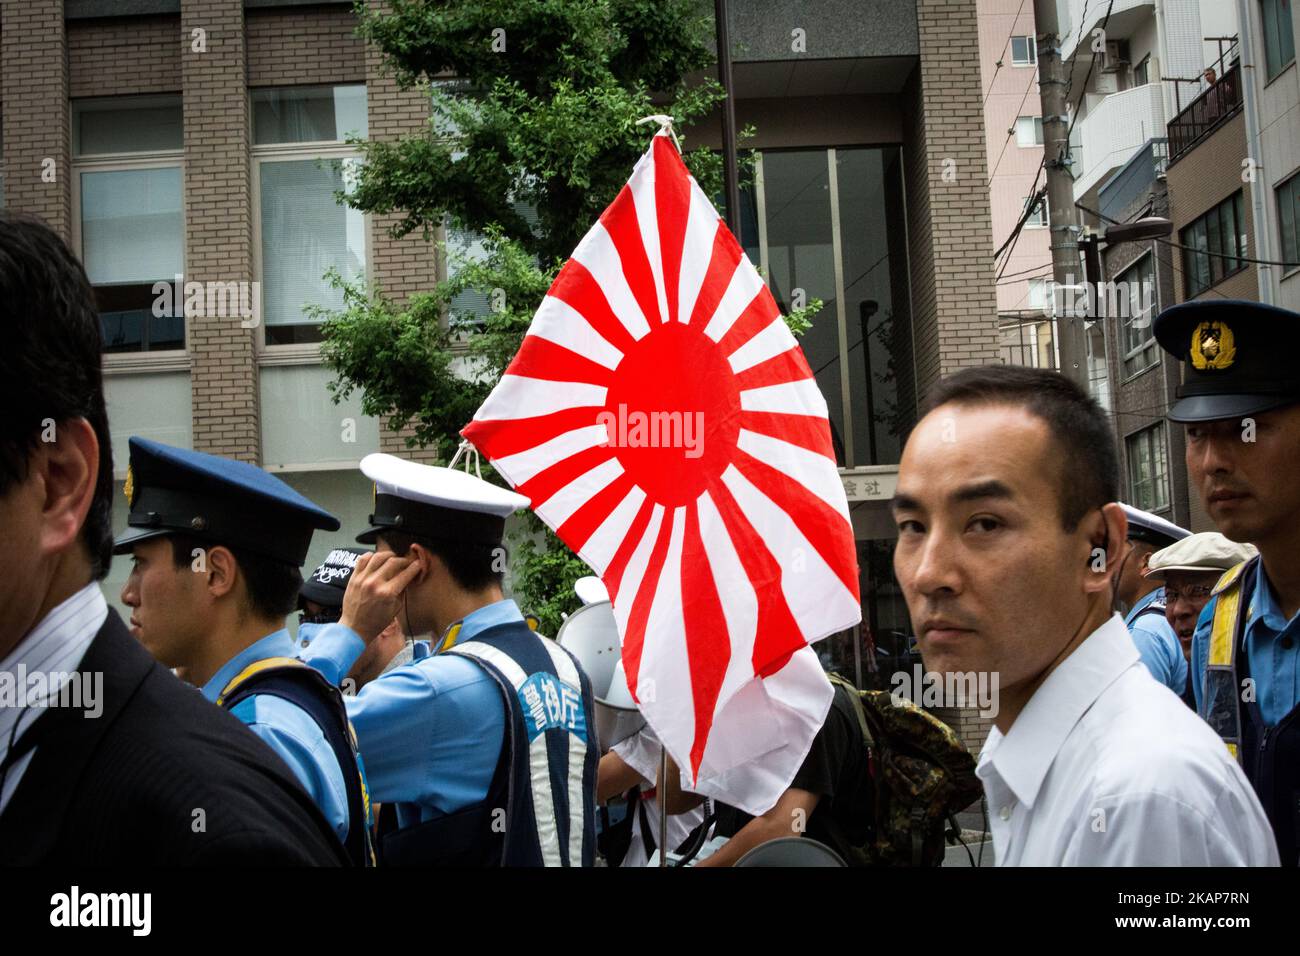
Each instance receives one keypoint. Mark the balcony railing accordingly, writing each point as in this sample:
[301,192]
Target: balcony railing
[1217,104]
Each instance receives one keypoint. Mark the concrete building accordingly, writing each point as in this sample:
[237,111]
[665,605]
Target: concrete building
[206,138]
[1133,75]
[1013,134]
[1271,99]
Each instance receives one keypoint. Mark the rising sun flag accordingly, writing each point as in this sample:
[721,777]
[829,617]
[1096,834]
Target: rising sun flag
[663,421]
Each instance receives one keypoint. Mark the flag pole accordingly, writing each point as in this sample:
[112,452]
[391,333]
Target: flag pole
[663,804]
[729,171]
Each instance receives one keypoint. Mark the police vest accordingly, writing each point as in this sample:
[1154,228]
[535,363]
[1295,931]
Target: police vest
[1270,756]
[540,807]
[304,687]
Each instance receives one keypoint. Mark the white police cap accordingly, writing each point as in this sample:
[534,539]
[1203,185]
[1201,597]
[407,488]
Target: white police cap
[430,501]
[1144,526]
[591,589]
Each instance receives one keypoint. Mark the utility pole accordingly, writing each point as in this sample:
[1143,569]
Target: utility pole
[1062,216]
[729,173]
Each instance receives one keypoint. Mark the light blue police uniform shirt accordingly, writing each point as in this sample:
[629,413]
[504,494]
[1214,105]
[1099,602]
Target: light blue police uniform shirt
[431,731]
[288,730]
[1274,668]
[1157,643]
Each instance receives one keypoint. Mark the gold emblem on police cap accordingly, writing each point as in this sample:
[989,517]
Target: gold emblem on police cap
[129,488]
[1212,346]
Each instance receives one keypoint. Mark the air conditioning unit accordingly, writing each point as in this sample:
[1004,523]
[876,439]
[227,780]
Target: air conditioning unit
[1115,58]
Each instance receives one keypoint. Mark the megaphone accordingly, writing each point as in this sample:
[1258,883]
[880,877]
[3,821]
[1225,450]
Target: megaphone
[791,851]
[591,635]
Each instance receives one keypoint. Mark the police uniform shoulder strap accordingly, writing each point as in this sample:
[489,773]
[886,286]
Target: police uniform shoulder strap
[1227,610]
[1230,577]
[1220,699]
[253,669]
[306,688]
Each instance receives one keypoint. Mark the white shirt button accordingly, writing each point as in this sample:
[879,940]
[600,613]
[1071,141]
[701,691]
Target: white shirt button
[1005,813]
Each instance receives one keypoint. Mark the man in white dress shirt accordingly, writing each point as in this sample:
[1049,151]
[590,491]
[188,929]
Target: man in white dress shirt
[1008,541]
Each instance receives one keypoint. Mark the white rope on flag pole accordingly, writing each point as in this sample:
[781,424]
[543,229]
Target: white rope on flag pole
[665,123]
[466,445]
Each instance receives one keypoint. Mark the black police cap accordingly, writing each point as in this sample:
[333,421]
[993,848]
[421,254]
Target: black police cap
[1239,357]
[175,490]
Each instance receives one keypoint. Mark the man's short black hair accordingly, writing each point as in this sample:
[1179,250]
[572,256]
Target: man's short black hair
[272,585]
[1089,468]
[472,566]
[50,364]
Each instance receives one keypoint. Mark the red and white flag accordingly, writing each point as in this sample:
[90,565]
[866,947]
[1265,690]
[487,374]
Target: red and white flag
[663,421]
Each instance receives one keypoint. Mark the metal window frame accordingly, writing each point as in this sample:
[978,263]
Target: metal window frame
[1031,48]
[1143,439]
[1292,185]
[837,253]
[144,360]
[305,353]
[1124,324]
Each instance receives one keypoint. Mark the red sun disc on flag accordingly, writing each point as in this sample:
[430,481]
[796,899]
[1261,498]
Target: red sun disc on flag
[662,419]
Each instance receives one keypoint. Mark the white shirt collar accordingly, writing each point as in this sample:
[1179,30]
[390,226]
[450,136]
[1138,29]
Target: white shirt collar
[54,646]
[1022,756]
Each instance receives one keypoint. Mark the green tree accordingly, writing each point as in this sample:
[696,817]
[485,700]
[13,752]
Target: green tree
[526,146]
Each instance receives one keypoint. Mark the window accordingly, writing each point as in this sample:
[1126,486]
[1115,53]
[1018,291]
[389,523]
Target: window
[304,231]
[1024,51]
[127,184]
[1135,302]
[1148,468]
[1040,294]
[1279,40]
[1288,214]
[309,114]
[1029,131]
[1094,338]
[468,309]
[1037,218]
[1212,244]
[1142,72]
[825,226]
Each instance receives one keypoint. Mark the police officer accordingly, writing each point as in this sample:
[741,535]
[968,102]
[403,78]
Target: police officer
[485,747]
[1189,570]
[1144,597]
[320,602]
[1240,402]
[217,546]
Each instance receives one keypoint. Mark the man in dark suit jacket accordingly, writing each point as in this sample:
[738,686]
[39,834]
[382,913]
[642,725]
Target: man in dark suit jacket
[105,757]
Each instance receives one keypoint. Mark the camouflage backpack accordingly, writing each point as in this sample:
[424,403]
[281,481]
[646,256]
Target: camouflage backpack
[921,775]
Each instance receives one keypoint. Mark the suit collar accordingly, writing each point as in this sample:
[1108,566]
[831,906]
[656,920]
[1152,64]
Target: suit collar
[66,741]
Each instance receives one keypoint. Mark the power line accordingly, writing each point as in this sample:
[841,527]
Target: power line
[1083,23]
[1204,252]
[1011,132]
[1031,204]
[1003,55]
[1012,277]
[1091,65]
